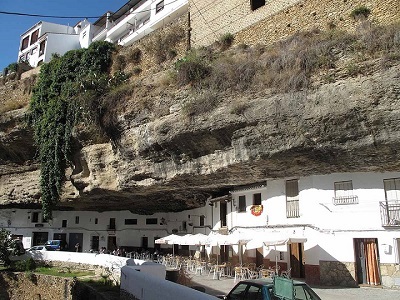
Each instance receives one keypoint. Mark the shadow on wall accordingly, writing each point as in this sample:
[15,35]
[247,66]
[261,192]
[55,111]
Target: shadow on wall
[330,271]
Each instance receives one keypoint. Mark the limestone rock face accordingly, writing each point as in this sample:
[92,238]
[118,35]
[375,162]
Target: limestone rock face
[172,163]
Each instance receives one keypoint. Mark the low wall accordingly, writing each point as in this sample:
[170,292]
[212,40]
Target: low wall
[100,263]
[142,286]
[336,273]
[28,286]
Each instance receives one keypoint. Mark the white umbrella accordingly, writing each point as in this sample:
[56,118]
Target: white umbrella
[168,240]
[274,239]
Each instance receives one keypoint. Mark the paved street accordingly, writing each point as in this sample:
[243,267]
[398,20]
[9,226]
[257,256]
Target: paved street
[224,285]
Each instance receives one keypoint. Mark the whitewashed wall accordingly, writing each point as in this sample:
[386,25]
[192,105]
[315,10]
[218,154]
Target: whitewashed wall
[142,287]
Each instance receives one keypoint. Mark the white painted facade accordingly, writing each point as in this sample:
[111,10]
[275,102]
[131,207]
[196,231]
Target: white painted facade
[130,23]
[44,39]
[329,227]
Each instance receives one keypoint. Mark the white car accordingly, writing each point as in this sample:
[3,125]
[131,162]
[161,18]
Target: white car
[41,248]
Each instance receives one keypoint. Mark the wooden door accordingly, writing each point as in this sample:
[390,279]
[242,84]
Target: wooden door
[367,261]
[297,260]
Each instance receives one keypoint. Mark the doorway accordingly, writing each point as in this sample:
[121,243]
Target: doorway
[95,243]
[259,256]
[297,260]
[40,238]
[367,261]
[74,239]
[111,243]
[145,242]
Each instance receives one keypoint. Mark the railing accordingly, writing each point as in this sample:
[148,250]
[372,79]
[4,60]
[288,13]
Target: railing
[292,209]
[111,227]
[345,200]
[390,213]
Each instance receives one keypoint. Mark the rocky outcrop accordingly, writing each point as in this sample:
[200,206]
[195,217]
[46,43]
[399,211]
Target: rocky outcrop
[173,162]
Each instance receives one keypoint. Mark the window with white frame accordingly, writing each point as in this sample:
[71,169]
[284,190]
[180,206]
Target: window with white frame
[242,204]
[344,193]
[392,189]
[292,199]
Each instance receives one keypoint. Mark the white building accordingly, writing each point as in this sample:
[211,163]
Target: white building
[339,229]
[44,39]
[131,22]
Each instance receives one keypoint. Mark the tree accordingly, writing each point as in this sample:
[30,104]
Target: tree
[6,246]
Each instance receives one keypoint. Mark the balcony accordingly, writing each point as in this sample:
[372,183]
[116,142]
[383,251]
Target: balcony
[345,200]
[111,227]
[390,213]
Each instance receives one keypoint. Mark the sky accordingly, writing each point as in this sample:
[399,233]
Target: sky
[12,26]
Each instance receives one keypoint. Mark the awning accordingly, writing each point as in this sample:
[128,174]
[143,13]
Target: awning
[167,240]
[274,239]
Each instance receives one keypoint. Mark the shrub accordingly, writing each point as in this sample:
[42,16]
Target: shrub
[25,265]
[119,62]
[135,55]
[226,40]
[360,12]
[191,69]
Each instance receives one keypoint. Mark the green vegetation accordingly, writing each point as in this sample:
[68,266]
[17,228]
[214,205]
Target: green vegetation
[360,12]
[62,273]
[226,40]
[6,247]
[24,265]
[70,88]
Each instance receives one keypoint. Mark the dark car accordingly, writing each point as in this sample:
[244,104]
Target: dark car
[267,289]
[57,244]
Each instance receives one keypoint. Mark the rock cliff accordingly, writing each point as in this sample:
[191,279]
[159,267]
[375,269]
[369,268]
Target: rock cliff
[173,162]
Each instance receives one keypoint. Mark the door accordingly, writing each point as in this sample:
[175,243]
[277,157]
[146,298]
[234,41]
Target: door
[222,213]
[259,256]
[145,242]
[111,243]
[297,260]
[224,253]
[74,239]
[95,243]
[367,261]
[40,238]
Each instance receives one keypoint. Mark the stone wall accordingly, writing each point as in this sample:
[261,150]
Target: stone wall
[30,286]
[336,273]
[312,274]
[278,19]
[390,274]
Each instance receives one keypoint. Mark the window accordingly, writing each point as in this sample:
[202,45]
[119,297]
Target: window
[344,193]
[33,50]
[64,223]
[151,221]
[130,221]
[112,223]
[392,189]
[242,203]
[42,47]
[292,199]
[257,199]
[159,6]
[77,220]
[25,43]
[256,4]
[44,220]
[35,217]
[202,218]
[96,221]
[34,36]
[83,34]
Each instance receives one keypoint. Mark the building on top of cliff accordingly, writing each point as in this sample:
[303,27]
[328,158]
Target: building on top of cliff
[264,22]
[131,22]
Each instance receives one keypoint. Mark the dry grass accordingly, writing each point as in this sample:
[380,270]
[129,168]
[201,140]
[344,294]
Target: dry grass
[11,105]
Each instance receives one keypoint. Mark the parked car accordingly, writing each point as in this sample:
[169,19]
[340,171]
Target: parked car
[41,248]
[57,244]
[263,289]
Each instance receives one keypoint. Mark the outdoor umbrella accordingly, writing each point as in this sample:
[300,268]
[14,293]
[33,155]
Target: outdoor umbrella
[168,240]
[274,239]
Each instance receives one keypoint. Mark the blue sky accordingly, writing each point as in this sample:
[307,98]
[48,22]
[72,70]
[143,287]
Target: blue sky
[11,26]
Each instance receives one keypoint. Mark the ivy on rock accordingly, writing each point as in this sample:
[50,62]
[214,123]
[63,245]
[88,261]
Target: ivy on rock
[63,90]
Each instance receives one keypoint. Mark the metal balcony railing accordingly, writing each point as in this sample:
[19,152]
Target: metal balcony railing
[292,209]
[390,213]
[345,200]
